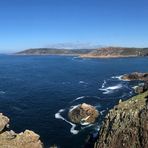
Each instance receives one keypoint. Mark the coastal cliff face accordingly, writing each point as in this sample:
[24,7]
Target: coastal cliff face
[10,139]
[126,125]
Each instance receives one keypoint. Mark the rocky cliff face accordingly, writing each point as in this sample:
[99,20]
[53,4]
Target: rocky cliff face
[126,125]
[10,139]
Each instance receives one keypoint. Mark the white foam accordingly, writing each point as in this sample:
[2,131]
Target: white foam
[101,112]
[83,97]
[117,77]
[82,82]
[58,116]
[110,89]
[97,128]
[86,126]
[135,87]
[73,107]
[103,85]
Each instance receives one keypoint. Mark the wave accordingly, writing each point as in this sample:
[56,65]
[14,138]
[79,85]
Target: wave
[59,116]
[110,89]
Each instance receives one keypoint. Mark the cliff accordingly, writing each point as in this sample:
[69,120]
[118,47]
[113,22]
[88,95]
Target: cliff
[89,53]
[126,125]
[10,139]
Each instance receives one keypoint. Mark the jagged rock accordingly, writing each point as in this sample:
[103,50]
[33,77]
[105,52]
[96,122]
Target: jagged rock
[126,125]
[84,113]
[135,76]
[3,122]
[10,139]
[142,87]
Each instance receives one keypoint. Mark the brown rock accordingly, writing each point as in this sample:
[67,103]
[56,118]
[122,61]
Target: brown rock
[84,113]
[10,139]
[135,76]
[3,122]
[126,126]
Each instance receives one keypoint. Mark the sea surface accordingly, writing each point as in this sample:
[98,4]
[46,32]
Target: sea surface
[36,93]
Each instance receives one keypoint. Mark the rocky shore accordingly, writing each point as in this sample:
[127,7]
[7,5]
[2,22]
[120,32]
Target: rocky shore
[126,125]
[10,139]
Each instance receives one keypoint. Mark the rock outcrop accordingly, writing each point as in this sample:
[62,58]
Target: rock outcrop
[141,87]
[135,76]
[126,125]
[10,139]
[84,113]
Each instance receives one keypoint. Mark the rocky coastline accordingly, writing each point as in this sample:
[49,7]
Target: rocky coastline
[105,52]
[125,126]
[10,139]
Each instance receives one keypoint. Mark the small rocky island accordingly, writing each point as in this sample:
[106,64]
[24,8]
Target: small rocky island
[10,139]
[83,114]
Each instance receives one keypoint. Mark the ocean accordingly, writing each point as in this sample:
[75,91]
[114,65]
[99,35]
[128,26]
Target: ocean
[36,93]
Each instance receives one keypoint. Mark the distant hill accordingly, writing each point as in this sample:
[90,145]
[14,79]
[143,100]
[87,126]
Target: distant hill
[117,52]
[54,51]
[89,53]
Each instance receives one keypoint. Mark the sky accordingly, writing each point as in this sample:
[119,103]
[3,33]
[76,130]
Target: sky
[72,23]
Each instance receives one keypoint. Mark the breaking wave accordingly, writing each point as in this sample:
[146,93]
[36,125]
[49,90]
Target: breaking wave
[110,89]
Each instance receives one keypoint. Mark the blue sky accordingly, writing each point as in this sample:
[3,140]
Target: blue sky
[45,23]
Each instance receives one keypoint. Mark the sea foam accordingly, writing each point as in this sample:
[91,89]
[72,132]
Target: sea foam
[59,116]
[110,89]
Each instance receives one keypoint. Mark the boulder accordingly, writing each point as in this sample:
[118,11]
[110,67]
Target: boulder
[83,114]
[135,76]
[10,139]
[3,122]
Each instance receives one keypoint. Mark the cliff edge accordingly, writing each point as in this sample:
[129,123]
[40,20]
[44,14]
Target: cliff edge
[10,139]
[126,125]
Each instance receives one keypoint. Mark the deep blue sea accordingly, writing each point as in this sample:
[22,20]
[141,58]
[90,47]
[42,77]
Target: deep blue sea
[36,93]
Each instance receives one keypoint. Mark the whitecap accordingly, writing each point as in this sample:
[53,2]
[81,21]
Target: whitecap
[82,82]
[58,116]
[110,89]
[83,97]
[2,92]
[79,98]
[104,83]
